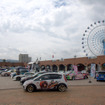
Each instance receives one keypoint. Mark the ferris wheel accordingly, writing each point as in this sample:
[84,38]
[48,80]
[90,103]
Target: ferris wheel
[93,40]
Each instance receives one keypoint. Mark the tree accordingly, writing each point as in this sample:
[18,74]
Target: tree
[4,60]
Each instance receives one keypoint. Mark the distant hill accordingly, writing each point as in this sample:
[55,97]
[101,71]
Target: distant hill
[1,60]
[9,60]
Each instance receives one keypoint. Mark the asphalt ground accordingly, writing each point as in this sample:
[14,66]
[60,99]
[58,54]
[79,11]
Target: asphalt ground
[8,83]
[79,92]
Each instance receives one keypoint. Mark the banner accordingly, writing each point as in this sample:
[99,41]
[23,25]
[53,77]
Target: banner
[75,69]
[93,70]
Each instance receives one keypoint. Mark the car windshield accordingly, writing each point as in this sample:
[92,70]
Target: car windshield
[9,71]
[29,74]
[38,75]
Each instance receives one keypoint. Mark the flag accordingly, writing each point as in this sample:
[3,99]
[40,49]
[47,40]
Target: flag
[52,56]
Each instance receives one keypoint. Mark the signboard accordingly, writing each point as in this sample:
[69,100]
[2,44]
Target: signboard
[93,70]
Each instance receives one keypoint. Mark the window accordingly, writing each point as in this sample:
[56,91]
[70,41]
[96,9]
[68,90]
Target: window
[55,76]
[28,74]
[49,77]
[43,77]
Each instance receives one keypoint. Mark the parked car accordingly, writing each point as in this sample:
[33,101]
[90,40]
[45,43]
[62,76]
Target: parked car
[18,71]
[22,71]
[100,76]
[79,75]
[13,74]
[6,73]
[31,77]
[65,72]
[26,74]
[85,74]
[2,70]
[47,81]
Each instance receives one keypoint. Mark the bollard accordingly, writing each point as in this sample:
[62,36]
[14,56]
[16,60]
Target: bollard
[90,80]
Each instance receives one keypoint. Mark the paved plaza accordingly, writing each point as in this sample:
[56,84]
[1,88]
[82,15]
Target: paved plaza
[8,83]
[79,92]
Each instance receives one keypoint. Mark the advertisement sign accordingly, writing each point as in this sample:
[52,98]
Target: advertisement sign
[75,69]
[93,70]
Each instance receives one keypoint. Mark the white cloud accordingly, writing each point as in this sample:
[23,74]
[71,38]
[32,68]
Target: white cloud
[42,28]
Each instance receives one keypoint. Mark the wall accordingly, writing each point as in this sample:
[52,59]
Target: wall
[8,64]
[83,60]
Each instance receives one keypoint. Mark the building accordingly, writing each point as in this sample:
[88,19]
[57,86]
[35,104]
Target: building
[29,59]
[83,63]
[24,58]
[10,64]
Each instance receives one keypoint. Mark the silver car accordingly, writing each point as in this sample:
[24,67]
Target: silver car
[47,81]
[27,74]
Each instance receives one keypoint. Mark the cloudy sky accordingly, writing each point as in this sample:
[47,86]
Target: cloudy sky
[42,28]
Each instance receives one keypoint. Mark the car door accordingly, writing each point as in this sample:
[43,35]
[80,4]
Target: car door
[42,82]
[55,79]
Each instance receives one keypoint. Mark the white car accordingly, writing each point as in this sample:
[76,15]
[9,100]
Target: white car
[13,74]
[27,74]
[46,81]
[23,79]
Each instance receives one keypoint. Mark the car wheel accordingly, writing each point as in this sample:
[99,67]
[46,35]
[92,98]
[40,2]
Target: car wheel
[23,82]
[30,88]
[18,78]
[6,75]
[85,77]
[62,87]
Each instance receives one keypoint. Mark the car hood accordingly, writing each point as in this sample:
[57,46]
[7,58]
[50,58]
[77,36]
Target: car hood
[19,75]
[28,82]
[13,73]
[4,72]
[25,78]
